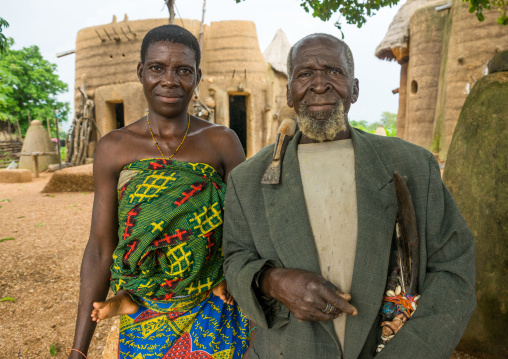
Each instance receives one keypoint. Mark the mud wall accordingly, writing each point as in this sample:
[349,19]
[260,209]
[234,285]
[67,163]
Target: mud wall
[426,31]
[401,114]
[234,65]
[472,45]
[448,53]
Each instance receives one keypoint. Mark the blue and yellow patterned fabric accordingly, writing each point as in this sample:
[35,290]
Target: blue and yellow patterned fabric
[169,257]
[211,330]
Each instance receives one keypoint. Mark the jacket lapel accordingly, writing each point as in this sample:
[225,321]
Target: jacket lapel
[377,211]
[288,221]
[286,214]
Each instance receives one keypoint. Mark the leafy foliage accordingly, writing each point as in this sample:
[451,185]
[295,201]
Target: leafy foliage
[356,11]
[479,5]
[28,88]
[388,121]
[3,40]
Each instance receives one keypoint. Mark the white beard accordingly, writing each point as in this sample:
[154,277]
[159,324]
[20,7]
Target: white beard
[321,129]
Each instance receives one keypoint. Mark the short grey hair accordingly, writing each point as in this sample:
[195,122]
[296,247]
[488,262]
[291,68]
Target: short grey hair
[349,55]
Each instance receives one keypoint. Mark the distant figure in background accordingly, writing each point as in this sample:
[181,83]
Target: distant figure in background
[156,235]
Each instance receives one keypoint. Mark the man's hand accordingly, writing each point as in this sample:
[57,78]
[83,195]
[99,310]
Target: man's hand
[305,294]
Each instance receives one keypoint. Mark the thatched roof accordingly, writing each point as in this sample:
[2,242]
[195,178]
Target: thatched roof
[398,32]
[277,52]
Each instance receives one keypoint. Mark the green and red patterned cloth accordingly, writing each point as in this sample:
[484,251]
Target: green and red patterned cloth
[170,231]
[169,257]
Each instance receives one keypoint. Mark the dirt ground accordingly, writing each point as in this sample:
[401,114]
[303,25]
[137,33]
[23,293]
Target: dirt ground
[39,268]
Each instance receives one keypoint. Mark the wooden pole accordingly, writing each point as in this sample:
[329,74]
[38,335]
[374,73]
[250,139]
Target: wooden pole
[47,123]
[35,161]
[171,8]
[9,129]
[202,27]
[58,138]
[19,130]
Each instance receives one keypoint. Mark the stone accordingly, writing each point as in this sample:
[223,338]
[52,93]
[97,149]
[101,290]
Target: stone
[499,62]
[111,348]
[476,174]
[15,176]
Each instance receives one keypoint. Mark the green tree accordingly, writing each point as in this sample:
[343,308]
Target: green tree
[364,125]
[3,40]
[478,6]
[28,88]
[356,12]
[388,121]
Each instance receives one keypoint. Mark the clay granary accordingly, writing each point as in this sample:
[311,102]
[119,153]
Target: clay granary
[240,89]
[443,50]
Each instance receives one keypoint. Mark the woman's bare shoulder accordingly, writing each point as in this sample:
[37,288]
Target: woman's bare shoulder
[213,131]
[117,148]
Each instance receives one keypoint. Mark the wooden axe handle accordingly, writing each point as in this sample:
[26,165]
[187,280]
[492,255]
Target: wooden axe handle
[286,131]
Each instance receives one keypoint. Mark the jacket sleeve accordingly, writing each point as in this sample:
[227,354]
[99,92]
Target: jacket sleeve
[242,262]
[448,295]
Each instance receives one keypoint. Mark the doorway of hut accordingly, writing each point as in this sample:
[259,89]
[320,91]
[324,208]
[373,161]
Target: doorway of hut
[238,118]
[120,122]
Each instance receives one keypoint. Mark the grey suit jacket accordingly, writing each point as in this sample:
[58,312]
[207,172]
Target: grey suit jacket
[269,224]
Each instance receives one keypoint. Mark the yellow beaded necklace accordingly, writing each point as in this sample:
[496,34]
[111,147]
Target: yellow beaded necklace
[157,145]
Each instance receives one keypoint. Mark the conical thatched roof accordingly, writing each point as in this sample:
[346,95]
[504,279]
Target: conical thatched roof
[398,32]
[277,52]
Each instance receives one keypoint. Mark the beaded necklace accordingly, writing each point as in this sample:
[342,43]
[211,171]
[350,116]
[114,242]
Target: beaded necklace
[157,145]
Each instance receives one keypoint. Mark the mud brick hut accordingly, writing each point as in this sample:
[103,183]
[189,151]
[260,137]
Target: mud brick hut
[443,50]
[240,88]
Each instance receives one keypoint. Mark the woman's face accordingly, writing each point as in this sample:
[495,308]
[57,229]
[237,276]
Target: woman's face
[169,76]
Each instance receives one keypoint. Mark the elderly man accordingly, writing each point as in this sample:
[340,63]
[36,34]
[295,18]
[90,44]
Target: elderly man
[308,259]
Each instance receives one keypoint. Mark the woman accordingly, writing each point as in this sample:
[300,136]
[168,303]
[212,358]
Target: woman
[157,220]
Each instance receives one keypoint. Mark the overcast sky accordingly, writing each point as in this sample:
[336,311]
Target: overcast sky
[53,24]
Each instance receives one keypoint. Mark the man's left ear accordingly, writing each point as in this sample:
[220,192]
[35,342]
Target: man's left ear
[356,90]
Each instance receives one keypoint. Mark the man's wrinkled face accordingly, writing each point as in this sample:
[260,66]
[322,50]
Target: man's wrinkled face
[320,90]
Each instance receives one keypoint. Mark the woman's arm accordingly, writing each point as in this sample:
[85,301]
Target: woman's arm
[97,258]
[230,148]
